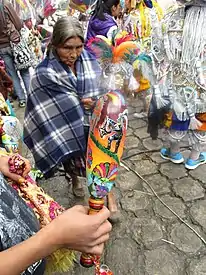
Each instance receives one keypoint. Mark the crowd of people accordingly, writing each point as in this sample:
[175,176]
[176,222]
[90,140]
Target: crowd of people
[59,85]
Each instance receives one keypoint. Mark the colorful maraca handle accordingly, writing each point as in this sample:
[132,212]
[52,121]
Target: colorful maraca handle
[95,205]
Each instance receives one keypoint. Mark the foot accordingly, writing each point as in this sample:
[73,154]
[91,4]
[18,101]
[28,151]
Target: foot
[22,103]
[140,115]
[193,164]
[77,188]
[115,217]
[14,97]
[173,157]
[113,208]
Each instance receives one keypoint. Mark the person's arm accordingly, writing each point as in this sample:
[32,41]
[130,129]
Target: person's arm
[16,259]
[73,229]
[13,16]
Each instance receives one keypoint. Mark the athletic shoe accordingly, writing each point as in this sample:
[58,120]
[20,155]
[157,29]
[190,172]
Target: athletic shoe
[173,157]
[193,164]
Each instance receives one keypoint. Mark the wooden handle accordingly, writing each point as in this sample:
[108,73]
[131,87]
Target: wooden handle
[95,205]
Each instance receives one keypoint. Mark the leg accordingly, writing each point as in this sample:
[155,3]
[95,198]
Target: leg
[112,205]
[113,208]
[6,55]
[173,153]
[77,186]
[174,147]
[25,74]
[194,155]
[197,156]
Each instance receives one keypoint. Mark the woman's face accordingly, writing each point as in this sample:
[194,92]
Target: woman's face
[116,10]
[70,51]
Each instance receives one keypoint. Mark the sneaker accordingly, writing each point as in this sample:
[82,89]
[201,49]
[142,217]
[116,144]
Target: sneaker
[193,164]
[175,158]
[22,103]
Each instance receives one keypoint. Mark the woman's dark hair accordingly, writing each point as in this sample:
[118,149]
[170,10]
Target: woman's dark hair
[104,6]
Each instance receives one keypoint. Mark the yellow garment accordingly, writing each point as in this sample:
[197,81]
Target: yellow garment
[168,119]
[4,110]
[142,24]
[144,84]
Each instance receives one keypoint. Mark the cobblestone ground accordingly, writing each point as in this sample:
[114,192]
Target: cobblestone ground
[149,239]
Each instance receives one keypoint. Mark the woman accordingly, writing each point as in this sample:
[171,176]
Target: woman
[60,102]
[102,21]
[22,249]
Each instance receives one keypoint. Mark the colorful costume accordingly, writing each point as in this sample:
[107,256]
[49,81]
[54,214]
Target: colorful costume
[10,128]
[179,96]
[142,18]
[116,60]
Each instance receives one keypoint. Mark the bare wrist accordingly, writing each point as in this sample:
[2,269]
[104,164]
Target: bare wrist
[48,235]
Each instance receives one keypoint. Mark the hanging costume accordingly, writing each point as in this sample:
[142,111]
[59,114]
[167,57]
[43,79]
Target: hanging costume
[179,66]
[142,17]
[116,58]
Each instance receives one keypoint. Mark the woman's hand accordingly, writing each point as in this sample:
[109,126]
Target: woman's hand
[4,168]
[88,103]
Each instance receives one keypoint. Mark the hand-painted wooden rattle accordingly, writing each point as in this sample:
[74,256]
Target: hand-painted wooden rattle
[105,147]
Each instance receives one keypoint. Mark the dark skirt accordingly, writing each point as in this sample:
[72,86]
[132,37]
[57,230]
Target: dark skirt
[76,166]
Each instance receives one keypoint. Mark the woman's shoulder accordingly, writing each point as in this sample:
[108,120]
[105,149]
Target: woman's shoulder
[86,55]
[44,69]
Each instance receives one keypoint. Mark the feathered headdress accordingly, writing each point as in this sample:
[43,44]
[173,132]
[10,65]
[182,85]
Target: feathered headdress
[116,57]
[120,49]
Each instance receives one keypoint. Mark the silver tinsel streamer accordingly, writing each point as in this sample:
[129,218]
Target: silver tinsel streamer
[194,36]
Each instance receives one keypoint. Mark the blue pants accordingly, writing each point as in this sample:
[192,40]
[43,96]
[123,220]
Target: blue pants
[7,56]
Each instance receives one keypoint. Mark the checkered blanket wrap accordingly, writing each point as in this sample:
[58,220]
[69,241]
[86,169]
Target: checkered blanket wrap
[54,117]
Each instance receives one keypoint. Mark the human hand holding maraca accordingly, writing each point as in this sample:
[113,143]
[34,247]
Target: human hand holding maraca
[73,227]
[88,103]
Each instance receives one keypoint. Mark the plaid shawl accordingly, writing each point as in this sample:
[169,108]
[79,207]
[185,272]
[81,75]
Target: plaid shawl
[54,117]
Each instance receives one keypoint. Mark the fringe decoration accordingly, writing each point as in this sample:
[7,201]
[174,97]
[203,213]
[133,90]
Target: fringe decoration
[60,261]
[160,101]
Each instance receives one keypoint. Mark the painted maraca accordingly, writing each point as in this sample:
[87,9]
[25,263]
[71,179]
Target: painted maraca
[105,147]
